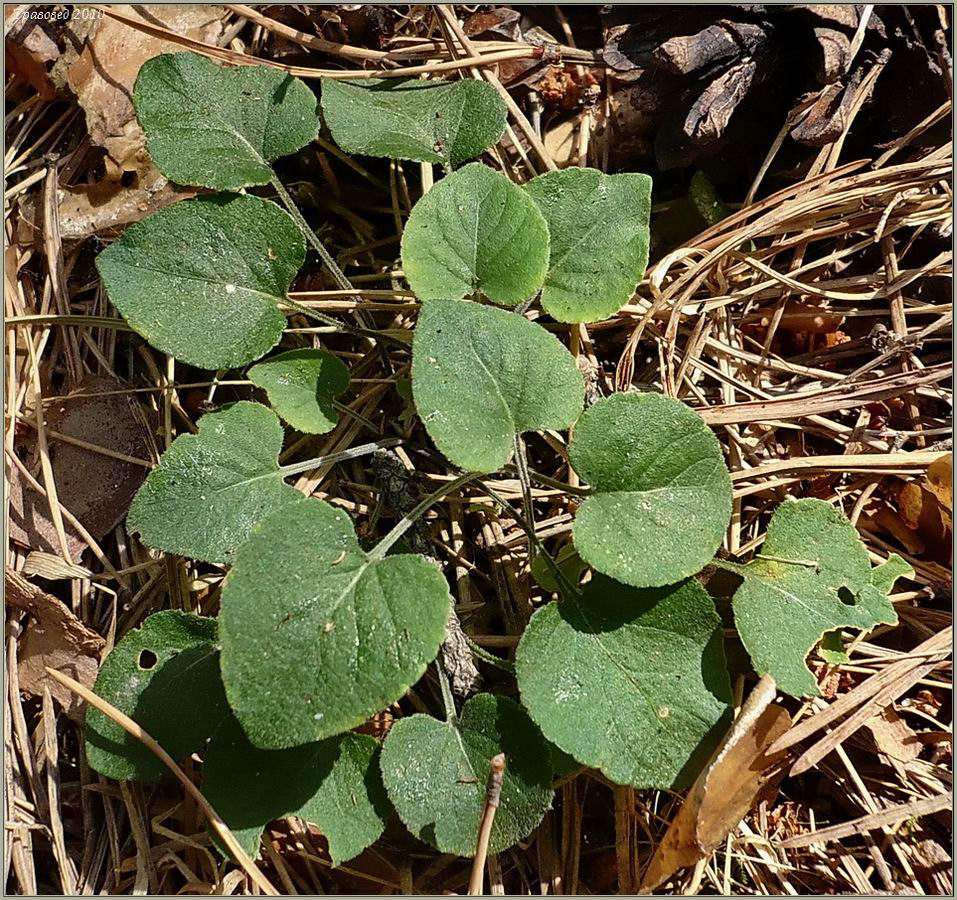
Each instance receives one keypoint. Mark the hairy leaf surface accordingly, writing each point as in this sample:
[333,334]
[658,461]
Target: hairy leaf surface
[481,375]
[662,491]
[221,127]
[202,279]
[813,576]
[629,681]
[210,488]
[301,386]
[599,240]
[475,231]
[435,773]
[165,676]
[342,633]
[429,121]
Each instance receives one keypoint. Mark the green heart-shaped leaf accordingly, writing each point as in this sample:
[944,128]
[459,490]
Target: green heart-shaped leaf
[813,576]
[334,784]
[481,375]
[475,231]
[662,493]
[631,682]
[220,128]
[429,121]
[202,279]
[301,385]
[435,773]
[343,633]
[209,489]
[164,676]
[599,240]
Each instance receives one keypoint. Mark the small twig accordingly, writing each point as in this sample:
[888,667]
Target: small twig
[131,728]
[330,459]
[493,794]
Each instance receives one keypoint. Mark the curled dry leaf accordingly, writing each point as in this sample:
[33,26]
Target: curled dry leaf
[29,49]
[103,74]
[740,773]
[52,637]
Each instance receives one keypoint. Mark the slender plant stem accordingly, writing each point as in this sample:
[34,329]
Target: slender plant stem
[521,465]
[448,701]
[383,547]
[331,458]
[566,588]
[337,274]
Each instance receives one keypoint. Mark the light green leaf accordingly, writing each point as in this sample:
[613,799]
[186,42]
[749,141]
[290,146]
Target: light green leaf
[884,575]
[599,240]
[301,385]
[813,576]
[569,563]
[631,682]
[334,784]
[481,375]
[662,491]
[475,231]
[341,633]
[164,676]
[832,649]
[220,128]
[209,489]
[429,121]
[435,773]
[201,280]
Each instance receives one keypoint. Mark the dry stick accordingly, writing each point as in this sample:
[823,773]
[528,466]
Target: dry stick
[242,59]
[134,730]
[493,794]
[474,57]
[934,645]
[890,816]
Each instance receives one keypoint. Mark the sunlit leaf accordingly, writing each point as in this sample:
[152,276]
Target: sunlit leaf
[631,682]
[202,279]
[341,633]
[481,375]
[429,121]
[210,488]
[662,493]
[475,231]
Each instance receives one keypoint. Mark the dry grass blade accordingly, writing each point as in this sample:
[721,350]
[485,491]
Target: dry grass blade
[131,728]
[895,814]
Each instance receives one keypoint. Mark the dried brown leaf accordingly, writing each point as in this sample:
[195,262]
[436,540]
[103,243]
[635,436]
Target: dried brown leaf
[96,488]
[893,736]
[740,773]
[52,637]
[103,75]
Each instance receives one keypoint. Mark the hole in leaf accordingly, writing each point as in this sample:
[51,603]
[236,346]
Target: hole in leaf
[147,660]
[847,596]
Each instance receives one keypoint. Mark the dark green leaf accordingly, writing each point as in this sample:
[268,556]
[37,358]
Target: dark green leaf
[317,634]
[481,375]
[210,488]
[221,127]
[631,682]
[429,121]
[301,386]
[334,784]
[202,279]
[435,773]
[164,676]
[662,491]
[475,231]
